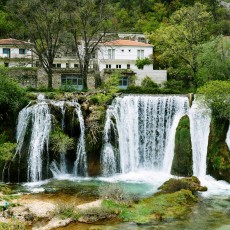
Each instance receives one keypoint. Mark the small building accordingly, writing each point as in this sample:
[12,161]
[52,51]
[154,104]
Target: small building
[123,54]
[15,53]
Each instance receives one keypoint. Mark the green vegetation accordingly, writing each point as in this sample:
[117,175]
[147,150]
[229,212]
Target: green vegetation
[175,200]
[182,161]
[61,143]
[218,159]
[217,96]
[140,63]
[12,97]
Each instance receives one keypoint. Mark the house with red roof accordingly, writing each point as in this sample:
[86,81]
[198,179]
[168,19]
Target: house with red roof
[123,54]
[14,53]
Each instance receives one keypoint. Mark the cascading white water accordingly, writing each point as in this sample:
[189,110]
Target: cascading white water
[80,165]
[200,118]
[228,138]
[145,127]
[63,166]
[39,117]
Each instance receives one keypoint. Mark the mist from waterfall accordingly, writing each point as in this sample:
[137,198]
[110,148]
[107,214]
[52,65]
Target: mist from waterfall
[145,128]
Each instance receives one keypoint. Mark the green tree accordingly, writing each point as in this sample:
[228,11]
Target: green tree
[88,23]
[12,97]
[44,22]
[216,95]
[214,61]
[179,40]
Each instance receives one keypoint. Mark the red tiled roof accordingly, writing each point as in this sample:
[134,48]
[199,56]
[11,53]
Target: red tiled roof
[125,43]
[11,41]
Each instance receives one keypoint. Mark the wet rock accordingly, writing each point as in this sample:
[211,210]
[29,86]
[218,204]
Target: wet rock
[188,183]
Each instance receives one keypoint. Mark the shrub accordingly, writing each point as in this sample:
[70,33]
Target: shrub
[140,63]
[147,82]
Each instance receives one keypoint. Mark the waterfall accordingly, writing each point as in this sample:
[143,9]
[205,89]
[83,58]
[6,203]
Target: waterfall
[63,166]
[40,119]
[80,165]
[228,138]
[145,127]
[200,118]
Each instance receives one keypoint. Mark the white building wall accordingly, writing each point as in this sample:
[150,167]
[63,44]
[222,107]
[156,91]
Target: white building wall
[158,76]
[124,52]
[123,55]
[14,53]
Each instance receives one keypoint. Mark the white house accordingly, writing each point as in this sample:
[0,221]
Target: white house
[15,53]
[123,54]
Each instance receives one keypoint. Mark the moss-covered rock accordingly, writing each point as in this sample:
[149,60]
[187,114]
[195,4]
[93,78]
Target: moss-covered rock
[182,161]
[94,137]
[218,158]
[190,183]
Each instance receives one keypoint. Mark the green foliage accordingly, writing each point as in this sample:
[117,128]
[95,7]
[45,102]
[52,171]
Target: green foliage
[140,63]
[6,151]
[111,83]
[65,211]
[61,142]
[182,160]
[147,82]
[12,97]
[218,157]
[180,39]
[214,61]
[216,95]
[13,224]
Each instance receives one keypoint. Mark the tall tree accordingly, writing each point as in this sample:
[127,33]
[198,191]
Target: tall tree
[89,21]
[180,40]
[214,61]
[44,21]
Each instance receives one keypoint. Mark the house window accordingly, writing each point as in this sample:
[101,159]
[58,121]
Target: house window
[22,51]
[111,53]
[118,66]
[108,66]
[76,65]
[67,65]
[128,66]
[140,54]
[140,39]
[6,51]
[72,81]
[57,65]
[124,82]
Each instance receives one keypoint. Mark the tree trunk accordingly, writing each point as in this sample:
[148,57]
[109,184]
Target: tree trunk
[50,79]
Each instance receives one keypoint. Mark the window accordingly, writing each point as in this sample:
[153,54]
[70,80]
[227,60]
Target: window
[22,51]
[141,39]
[118,66]
[76,66]
[72,82]
[123,83]
[67,65]
[128,66]
[57,65]
[140,54]
[108,66]
[6,51]
[111,53]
